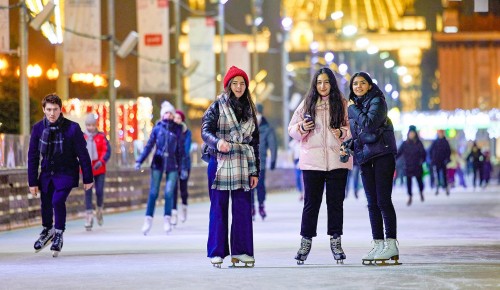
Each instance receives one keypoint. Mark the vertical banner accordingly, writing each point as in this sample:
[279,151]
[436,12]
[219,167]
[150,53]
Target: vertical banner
[201,39]
[154,60]
[4,27]
[82,54]
[238,55]
[480,5]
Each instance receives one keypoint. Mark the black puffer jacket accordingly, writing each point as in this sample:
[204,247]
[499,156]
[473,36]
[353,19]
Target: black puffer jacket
[209,127]
[369,116]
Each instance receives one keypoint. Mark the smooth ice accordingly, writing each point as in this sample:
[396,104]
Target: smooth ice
[446,242]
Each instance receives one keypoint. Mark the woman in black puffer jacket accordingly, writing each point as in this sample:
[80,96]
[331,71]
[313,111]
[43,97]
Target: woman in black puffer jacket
[374,147]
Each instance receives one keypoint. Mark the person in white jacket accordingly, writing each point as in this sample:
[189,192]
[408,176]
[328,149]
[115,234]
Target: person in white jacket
[320,124]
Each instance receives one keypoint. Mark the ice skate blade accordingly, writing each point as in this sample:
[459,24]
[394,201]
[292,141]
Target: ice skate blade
[300,262]
[88,229]
[368,262]
[217,265]
[236,261]
[55,254]
[387,263]
[340,261]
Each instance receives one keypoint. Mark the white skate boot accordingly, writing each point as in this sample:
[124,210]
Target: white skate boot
[248,260]
[89,220]
[378,246]
[167,224]
[173,220]
[216,262]
[389,252]
[337,251]
[184,213]
[148,223]
[99,212]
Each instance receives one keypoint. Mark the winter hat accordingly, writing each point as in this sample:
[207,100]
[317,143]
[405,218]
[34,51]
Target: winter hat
[412,128]
[166,107]
[90,119]
[260,108]
[234,72]
[181,113]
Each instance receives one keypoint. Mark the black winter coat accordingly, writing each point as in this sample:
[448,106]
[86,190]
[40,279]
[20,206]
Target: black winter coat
[209,127]
[440,152]
[413,153]
[369,115]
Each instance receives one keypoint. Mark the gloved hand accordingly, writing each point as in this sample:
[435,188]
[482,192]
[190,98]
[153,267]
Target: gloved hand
[273,165]
[137,166]
[184,174]
[97,165]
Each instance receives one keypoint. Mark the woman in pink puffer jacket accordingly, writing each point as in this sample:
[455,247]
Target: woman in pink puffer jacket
[320,124]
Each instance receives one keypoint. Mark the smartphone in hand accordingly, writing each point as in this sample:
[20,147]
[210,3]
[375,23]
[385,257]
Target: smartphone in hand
[308,118]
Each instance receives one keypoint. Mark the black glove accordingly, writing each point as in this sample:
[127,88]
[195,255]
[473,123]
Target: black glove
[273,165]
[97,165]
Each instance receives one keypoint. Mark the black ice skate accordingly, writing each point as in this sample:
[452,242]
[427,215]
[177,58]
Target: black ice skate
[305,248]
[262,211]
[46,236]
[336,247]
[57,244]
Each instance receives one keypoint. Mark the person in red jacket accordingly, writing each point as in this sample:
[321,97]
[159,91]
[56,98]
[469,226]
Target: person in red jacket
[99,151]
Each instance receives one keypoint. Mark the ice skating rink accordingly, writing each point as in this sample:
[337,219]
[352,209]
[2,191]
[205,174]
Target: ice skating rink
[446,242]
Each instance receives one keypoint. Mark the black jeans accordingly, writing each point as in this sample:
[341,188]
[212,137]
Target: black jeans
[261,189]
[183,186]
[377,177]
[315,182]
[409,184]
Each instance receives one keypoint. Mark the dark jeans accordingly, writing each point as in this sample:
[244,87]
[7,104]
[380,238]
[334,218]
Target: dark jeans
[53,204]
[477,173]
[241,225]
[377,176]
[315,182]
[99,192]
[183,184]
[298,176]
[442,179]
[261,188]
[409,185]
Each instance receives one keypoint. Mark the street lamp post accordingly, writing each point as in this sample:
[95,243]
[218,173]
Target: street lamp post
[24,102]
[222,64]
[111,74]
[286,26]
[178,61]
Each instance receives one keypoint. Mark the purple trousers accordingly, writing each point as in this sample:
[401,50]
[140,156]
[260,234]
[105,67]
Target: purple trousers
[53,203]
[241,225]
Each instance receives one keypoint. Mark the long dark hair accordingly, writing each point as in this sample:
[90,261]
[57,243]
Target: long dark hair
[243,107]
[335,99]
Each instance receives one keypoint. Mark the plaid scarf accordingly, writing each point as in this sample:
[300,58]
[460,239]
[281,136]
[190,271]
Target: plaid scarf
[234,168]
[51,142]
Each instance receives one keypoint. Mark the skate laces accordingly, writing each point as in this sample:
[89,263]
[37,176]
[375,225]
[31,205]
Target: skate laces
[57,238]
[388,246]
[336,245]
[305,246]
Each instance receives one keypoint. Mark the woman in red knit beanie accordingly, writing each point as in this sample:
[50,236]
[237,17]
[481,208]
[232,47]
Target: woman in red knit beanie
[229,130]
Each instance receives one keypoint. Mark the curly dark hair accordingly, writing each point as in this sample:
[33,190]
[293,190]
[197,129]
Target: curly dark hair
[336,99]
[52,99]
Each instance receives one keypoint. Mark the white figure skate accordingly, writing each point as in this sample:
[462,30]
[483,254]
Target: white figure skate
[173,220]
[99,215]
[216,262]
[249,261]
[167,224]
[89,220]
[389,252]
[148,223]
[378,246]
[184,213]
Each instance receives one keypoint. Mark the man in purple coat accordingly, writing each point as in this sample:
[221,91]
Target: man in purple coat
[63,148]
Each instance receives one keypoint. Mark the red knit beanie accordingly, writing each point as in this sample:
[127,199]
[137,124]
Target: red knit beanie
[181,113]
[234,72]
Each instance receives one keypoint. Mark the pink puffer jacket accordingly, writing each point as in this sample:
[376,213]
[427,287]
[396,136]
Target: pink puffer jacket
[319,148]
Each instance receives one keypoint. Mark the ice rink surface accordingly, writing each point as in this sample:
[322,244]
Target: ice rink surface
[446,242]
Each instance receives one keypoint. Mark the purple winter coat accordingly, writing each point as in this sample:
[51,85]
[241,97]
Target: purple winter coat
[62,169]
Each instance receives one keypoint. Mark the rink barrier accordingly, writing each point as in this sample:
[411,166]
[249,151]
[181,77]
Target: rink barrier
[125,190]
